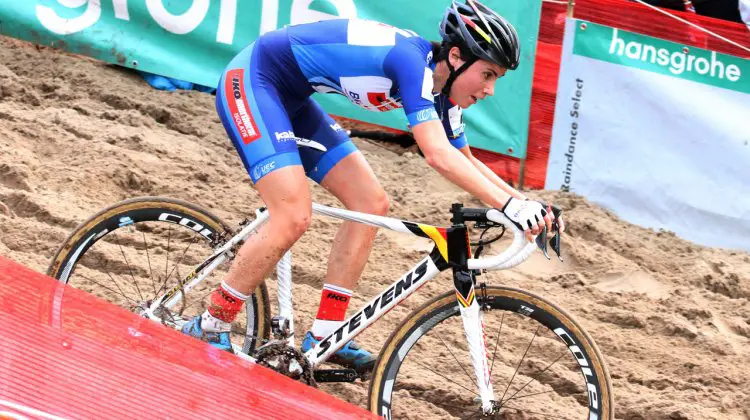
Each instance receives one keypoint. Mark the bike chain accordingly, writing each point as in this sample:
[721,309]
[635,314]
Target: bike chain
[281,351]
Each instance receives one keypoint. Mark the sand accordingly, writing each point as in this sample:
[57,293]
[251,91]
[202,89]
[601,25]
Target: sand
[76,135]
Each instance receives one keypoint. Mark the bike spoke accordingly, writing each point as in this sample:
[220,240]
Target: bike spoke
[130,269]
[148,258]
[534,378]
[529,395]
[166,278]
[166,262]
[180,260]
[456,359]
[452,381]
[497,340]
[519,362]
[109,288]
[198,300]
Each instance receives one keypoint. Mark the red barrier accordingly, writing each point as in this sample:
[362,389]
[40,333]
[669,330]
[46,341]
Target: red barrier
[622,14]
[67,354]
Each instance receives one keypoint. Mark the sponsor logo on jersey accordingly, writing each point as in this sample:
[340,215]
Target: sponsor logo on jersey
[370,92]
[455,120]
[427,114]
[238,106]
[264,169]
[383,102]
[285,136]
[311,144]
[336,127]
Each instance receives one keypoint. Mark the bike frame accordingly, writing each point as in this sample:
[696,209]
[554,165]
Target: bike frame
[451,251]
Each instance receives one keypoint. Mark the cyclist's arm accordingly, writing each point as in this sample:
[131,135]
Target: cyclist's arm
[407,64]
[454,165]
[496,180]
[490,175]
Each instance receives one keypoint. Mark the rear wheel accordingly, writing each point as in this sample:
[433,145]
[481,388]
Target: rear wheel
[138,249]
[544,365]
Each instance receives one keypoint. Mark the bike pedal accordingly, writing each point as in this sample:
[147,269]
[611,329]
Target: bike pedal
[336,375]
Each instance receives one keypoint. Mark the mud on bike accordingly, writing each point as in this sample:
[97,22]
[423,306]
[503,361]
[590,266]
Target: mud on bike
[477,351]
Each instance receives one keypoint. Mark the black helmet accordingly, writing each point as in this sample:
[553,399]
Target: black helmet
[485,33]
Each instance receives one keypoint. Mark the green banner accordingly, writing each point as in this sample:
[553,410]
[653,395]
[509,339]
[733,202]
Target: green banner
[659,56]
[193,40]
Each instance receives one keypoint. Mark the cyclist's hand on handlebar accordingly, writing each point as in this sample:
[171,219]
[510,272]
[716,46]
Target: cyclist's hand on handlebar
[560,225]
[554,213]
[528,215]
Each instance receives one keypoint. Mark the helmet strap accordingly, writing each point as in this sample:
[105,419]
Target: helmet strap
[454,73]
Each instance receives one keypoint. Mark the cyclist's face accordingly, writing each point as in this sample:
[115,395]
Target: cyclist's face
[477,82]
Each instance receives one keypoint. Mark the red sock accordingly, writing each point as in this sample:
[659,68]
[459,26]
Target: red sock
[226,303]
[334,301]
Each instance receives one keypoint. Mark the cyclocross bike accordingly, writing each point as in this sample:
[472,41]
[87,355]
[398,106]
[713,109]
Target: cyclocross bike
[478,351]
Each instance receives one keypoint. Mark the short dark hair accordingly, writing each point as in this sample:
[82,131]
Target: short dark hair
[440,51]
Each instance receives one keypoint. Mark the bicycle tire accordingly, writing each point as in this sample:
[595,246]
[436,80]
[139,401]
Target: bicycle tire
[192,218]
[384,384]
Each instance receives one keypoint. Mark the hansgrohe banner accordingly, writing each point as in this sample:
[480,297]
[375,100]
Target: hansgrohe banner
[655,131]
[193,40]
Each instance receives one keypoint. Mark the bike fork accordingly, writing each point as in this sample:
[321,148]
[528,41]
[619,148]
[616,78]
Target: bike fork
[471,315]
[458,253]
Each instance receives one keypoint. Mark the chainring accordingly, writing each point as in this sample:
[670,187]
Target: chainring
[280,357]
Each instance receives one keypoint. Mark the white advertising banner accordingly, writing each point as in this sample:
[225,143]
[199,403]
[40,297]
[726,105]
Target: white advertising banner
[657,132]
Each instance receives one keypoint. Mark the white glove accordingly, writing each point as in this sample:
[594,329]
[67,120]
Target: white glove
[525,214]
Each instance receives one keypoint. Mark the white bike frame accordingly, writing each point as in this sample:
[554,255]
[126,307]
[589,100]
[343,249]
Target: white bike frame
[421,273]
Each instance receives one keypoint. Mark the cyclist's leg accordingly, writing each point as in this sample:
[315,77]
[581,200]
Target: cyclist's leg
[343,171]
[353,182]
[275,167]
[252,113]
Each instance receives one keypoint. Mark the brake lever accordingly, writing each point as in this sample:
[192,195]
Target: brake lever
[541,242]
[556,241]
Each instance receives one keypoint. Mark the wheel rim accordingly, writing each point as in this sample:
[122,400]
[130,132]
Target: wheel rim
[535,374]
[131,258]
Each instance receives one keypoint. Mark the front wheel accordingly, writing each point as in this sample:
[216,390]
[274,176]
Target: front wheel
[138,249]
[543,365]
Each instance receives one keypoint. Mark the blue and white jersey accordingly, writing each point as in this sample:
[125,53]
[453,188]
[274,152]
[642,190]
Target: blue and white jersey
[377,67]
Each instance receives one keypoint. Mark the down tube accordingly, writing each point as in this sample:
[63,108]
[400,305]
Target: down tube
[424,271]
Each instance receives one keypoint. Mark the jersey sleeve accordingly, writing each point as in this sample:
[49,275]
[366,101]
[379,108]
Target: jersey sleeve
[453,121]
[408,66]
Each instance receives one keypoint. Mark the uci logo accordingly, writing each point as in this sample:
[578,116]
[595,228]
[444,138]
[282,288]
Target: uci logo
[264,169]
[426,114]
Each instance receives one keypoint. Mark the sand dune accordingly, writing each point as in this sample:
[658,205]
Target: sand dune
[672,318]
